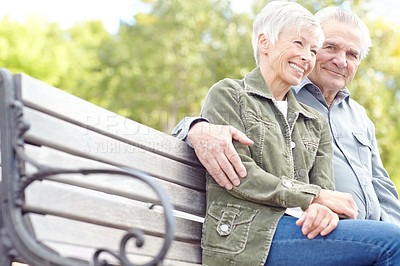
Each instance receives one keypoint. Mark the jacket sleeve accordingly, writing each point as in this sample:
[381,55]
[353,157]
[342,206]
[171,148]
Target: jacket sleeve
[222,106]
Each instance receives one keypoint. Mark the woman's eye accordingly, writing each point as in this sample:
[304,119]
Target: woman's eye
[314,52]
[298,42]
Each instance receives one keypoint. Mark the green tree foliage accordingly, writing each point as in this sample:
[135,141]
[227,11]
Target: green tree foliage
[85,69]
[159,69]
[35,47]
[166,62]
[65,59]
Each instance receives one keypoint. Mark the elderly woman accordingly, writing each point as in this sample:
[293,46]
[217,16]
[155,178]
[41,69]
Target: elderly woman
[290,161]
[289,166]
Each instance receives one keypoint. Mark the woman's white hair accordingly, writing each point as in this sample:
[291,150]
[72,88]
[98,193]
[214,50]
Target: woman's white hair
[276,16]
[350,18]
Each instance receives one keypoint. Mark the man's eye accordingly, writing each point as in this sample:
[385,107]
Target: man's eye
[298,42]
[354,55]
[314,52]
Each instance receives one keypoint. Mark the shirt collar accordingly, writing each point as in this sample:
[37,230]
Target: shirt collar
[255,84]
[307,84]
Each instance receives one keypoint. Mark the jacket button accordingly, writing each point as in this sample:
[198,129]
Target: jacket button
[224,228]
[302,172]
[292,144]
[287,183]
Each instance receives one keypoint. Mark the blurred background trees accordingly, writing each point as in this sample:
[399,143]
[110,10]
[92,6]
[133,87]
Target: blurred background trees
[159,68]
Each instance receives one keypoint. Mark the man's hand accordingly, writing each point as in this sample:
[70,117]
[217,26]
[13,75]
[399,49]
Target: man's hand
[317,220]
[338,202]
[214,148]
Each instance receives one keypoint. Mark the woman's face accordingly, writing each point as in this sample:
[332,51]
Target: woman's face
[293,56]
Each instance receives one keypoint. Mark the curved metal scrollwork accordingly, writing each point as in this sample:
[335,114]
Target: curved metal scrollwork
[21,127]
[132,233]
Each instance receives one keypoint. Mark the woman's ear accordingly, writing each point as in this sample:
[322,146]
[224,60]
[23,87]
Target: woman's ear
[263,44]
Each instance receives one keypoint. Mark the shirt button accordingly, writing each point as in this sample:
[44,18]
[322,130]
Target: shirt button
[224,228]
[302,172]
[292,144]
[287,183]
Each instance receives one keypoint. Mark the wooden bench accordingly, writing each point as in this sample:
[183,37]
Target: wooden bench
[81,180]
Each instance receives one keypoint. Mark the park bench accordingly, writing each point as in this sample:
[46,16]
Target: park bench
[81,185]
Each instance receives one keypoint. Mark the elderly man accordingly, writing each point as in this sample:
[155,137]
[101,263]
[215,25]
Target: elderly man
[357,164]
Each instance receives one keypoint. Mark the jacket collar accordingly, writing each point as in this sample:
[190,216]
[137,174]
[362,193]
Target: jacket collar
[254,84]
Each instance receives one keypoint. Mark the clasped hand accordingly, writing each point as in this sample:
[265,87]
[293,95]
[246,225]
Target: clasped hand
[317,220]
[321,217]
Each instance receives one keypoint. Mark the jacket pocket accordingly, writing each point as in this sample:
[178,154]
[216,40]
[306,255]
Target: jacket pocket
[306,153]
[311,145]
[226,228]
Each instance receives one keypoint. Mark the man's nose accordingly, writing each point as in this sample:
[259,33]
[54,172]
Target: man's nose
[340,60]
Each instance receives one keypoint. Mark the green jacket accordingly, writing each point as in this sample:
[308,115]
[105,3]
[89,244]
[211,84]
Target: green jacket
[287,166]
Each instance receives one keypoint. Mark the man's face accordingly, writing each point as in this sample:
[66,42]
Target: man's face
[339,57]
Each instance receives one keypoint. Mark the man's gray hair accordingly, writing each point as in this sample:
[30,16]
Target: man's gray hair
[350,18]
[276,16]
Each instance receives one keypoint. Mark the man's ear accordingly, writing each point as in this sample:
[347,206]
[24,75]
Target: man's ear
[263,44]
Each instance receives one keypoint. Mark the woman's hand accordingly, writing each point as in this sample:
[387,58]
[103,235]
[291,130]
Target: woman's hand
[317,220]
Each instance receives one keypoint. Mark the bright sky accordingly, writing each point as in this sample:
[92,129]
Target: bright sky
[67,12]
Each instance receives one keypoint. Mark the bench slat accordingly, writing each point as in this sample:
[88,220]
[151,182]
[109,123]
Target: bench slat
[58,134]
[86,253]
[183,199]
[50,228]
[71,108]
[47,197]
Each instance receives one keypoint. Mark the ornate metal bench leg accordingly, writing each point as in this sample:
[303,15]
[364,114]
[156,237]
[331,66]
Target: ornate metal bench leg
[5,259]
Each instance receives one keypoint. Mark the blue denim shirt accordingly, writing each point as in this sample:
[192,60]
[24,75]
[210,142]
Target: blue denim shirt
[357,164]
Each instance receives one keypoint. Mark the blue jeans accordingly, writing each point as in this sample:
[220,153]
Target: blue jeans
[353,242]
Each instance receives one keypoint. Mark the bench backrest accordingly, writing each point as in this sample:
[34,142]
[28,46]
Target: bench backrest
[77,214]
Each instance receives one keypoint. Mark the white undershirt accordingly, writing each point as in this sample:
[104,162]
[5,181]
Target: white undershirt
[283,107]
